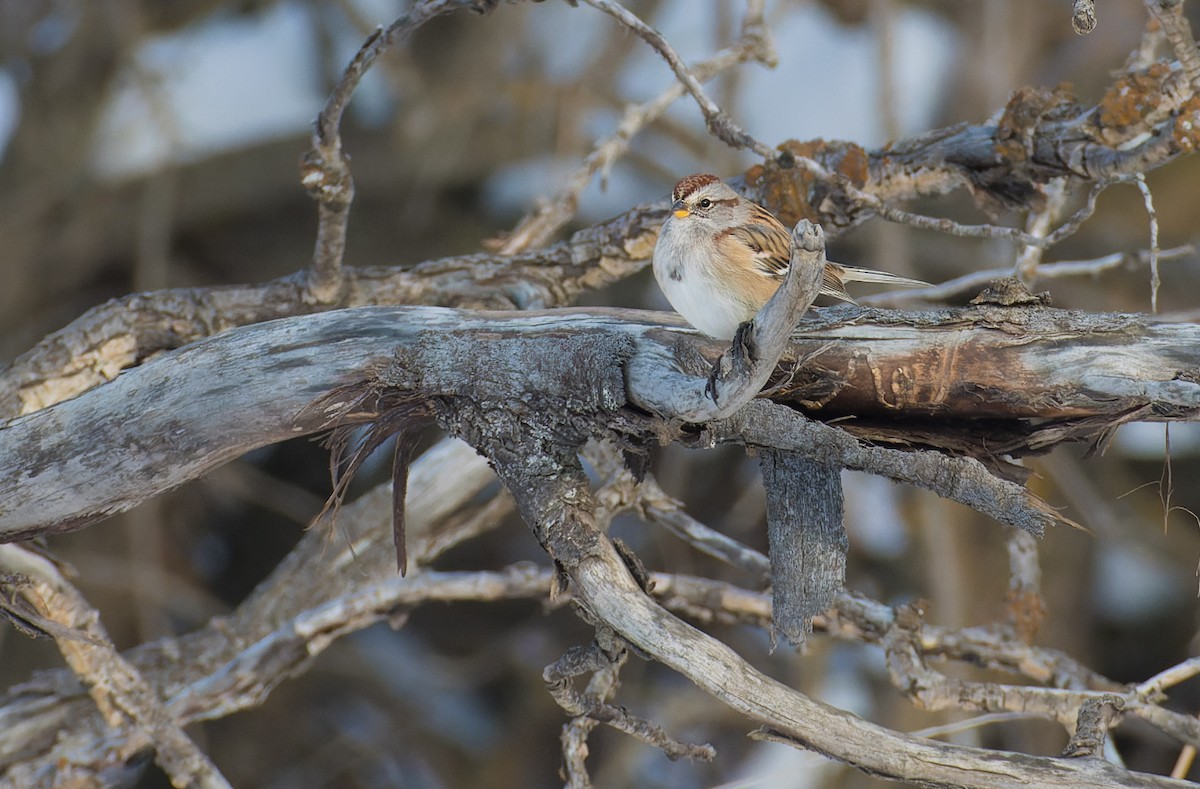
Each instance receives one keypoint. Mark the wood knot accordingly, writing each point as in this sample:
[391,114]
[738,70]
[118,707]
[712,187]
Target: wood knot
[1011,292]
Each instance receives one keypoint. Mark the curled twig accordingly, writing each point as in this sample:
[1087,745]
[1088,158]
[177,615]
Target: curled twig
[325,170]
[602,660]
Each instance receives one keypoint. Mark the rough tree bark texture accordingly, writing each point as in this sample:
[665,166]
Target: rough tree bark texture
[808,541]
[1042,376]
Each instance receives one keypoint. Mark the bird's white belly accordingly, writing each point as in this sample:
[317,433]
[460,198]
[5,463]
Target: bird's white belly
[683,268]
[705,304]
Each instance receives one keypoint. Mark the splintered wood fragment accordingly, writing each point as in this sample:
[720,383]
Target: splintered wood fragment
[401,460]
[806,538]
[1096,716]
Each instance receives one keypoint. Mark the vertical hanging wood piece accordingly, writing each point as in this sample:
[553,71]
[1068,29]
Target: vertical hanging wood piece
[806,537]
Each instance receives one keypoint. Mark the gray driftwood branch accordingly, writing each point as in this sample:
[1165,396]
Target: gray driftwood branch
[1065,377]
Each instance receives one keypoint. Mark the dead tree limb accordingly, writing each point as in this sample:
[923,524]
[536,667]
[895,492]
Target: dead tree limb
[554,497]
[1040,376]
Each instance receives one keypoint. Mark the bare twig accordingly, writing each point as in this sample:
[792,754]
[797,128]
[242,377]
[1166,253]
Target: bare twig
[1148,201]
[605,661]
[854,617]
[623,493]
[1038,224]
[1180,672]
[575,733]
[935,691]
[662,510]
[124,698]
[1026,608]
[950,227]
[971,283]
[973,722]
[325,170]
[1183,763]
[718,121]
[536,228]
[1178,31]
[1076,220]
[944,225]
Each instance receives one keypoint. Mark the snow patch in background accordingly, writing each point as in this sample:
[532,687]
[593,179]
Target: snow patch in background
[562,40]
[517,188]
[1147,440]
[54,30]
[235,80]
[1131,582]
[872,508]
[220,85]
[10,107]
[827,83]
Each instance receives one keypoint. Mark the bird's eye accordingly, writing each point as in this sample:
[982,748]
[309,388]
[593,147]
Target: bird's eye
[706,203]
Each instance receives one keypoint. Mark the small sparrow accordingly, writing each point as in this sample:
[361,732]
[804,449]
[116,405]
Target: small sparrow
[720,257]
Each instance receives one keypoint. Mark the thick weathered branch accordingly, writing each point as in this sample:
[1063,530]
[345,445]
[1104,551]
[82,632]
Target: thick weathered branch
[765,425]
[123,332]
[1146,119]
[1077,375]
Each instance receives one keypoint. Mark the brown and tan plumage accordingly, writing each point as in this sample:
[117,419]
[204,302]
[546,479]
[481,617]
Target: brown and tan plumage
[720,257]
[772,246]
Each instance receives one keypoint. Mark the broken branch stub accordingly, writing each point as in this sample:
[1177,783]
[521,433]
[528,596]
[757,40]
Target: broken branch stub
[807,539]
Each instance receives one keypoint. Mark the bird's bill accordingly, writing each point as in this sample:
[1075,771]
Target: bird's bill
[679,210]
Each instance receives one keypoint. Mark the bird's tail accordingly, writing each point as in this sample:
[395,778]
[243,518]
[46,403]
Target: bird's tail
[833,283]
[852,274]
